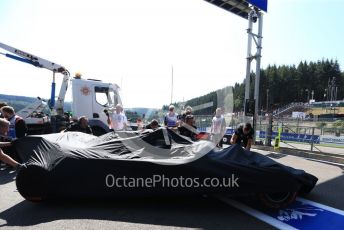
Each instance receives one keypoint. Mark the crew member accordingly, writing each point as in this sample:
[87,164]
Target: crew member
[18,126]
[243,136]
[4,128]
[81,126]
[2,104]
[152,125]
[188,128]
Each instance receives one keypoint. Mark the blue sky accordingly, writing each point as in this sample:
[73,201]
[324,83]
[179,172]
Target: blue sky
[135,43]
[304,29]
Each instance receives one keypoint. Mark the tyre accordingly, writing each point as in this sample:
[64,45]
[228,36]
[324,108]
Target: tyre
[278,199]
[32,184]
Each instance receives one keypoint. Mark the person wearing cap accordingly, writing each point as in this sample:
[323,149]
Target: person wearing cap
[171,118]
[117,120]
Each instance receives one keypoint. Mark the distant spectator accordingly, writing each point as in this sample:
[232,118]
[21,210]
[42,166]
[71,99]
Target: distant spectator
[80,126]
[188,128]
[218,127]
[171,118]
[117,120]
[152,125]
[18,126]
[139,124]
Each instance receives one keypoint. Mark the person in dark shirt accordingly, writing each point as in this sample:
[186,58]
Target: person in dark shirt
[188,111]
[188,128]
[243,136]
[152,125]
[80,126]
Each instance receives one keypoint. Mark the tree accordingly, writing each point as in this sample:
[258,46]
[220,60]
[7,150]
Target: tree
[286,84]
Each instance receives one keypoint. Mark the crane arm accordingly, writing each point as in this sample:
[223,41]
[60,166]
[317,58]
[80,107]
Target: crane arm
[31,59]
[42,63]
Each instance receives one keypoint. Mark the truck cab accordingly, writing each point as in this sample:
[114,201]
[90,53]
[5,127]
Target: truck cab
[90,97]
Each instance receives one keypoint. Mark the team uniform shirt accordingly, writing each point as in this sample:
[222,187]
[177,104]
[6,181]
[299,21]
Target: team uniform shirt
[242,137]
[118,120]
[75,127]
[171,119]
[18,127]
[150,127]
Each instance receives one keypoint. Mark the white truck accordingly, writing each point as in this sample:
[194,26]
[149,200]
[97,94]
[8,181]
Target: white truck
[90,98]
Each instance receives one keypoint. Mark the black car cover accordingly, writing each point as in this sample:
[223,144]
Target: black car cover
[78,165]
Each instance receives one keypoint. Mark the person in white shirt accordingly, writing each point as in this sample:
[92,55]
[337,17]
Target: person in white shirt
[218,127]
[117,120]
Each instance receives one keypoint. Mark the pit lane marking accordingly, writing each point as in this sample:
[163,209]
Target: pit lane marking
[302,214]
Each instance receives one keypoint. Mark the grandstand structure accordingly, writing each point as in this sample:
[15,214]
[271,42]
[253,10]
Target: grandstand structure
[288,109]
[326,109]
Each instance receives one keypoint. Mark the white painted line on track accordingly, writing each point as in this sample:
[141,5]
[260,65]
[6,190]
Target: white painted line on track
[306,158]
[322,161]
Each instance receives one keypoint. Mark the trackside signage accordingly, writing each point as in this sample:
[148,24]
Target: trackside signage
[327,139]
[293,137]
[261,4]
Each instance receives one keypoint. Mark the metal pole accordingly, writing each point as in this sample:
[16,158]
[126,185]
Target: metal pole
[258,58]
[267,101]
[268,130]
[248,60]
[312,144]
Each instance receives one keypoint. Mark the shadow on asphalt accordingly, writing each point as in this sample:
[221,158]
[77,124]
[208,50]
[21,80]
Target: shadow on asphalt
[191,212]
[329,193]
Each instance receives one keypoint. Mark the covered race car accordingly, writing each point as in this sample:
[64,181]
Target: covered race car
[155,163]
